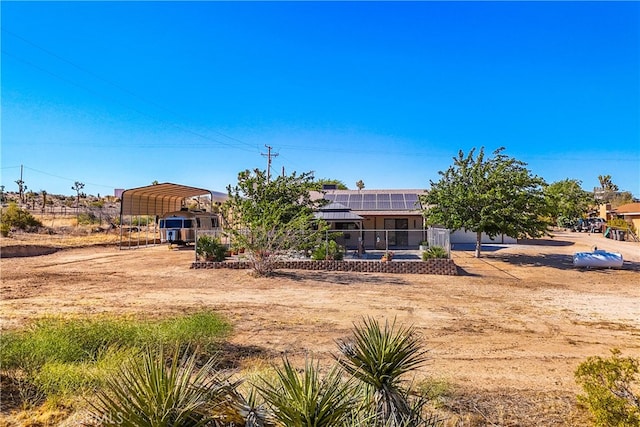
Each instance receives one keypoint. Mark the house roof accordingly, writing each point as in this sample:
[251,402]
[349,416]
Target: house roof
[629,209]
[376,202]
[334,207]
[159,199]
[337,216]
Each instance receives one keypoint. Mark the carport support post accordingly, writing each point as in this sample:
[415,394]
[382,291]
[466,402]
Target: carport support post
[195,244]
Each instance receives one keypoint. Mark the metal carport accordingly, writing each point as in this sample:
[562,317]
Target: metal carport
[156,200]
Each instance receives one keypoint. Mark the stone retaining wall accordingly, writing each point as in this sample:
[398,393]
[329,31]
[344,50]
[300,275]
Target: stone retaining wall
[444,267]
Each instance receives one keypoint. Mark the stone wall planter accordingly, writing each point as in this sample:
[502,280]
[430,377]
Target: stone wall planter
[444,267]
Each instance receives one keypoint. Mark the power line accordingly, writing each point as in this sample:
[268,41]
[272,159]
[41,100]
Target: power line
[182,128]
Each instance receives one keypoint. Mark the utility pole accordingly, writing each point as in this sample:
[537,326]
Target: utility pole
[269,156]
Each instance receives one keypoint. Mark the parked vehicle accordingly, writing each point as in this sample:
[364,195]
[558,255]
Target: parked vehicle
[590,225]
[181,227]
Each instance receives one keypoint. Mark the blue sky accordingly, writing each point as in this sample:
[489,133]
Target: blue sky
[119,94]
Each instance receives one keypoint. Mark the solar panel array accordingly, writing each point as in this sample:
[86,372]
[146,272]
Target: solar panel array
[377,201]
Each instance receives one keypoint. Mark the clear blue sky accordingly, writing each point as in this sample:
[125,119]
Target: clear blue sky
[119,94]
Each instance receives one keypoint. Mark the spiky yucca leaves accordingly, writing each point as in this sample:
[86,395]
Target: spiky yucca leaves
[252,411]
[307,399]
[151,392]
[379,357]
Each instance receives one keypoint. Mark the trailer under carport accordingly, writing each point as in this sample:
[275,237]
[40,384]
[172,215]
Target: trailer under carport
[154,201]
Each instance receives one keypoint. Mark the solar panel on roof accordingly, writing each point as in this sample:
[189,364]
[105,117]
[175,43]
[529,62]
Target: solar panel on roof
[369,198]
[368,206]
[341,198]
[383,197]
[397,197]
[398,205]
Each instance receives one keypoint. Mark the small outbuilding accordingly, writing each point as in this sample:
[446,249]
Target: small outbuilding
[153,201]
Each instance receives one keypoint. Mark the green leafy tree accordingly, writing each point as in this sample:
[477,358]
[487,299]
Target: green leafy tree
[268,218]
[496,195]
[612,389]
[326,181]
[567,199]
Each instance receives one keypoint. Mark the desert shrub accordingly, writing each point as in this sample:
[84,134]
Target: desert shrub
[211,249]
[142,220]
[309,398]
[146,391]
[328,250]
[612,389]
[14,217]
[61,356]
[88,218]
[379,357]
[434,252]
[5,228]
[621,223]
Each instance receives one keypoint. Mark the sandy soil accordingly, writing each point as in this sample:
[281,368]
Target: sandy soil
[506,334]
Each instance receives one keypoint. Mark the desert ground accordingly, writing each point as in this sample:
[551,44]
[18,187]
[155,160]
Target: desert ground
[505,335]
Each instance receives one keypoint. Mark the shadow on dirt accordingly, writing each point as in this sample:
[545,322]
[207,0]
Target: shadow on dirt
[342,278]
[232,355]
[559,261]
[545,242]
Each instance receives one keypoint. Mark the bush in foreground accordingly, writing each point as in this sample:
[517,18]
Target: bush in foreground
[57,357]
[612,389]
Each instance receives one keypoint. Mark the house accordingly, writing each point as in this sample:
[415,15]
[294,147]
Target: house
[630,213]
[379,219]
[384,219]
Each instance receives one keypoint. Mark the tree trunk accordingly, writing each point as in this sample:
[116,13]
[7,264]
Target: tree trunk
[478,243]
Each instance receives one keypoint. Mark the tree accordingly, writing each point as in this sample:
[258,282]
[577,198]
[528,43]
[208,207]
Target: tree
[270,217]
[360,184]
[621,198]
[607,187]
[568,200]
[495,195]
[21,189]
[77,186]
[326,181]
[44,199]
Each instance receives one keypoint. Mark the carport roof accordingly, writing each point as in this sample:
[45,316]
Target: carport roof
[158,199]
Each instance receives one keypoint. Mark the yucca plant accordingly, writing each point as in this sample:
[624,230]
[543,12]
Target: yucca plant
[249,411]
[379,357]
[307,399]
[153,393]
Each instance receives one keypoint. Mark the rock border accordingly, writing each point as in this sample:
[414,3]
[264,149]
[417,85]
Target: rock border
[443,267]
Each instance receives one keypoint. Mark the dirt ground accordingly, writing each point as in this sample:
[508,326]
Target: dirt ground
[506,334]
